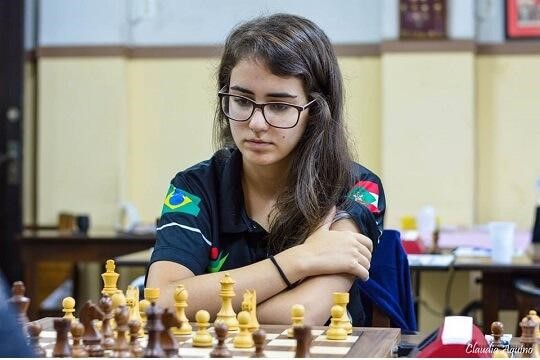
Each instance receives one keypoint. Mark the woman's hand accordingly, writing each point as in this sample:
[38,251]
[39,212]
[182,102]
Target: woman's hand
[338,251]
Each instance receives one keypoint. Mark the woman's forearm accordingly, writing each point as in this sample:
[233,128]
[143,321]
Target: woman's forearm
[314,293]
[204,289]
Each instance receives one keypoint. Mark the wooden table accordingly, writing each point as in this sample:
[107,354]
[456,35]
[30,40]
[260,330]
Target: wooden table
[52,245]
[497,281]
[373,342]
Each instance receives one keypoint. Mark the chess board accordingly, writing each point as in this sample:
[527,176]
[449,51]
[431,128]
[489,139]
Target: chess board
[363,342]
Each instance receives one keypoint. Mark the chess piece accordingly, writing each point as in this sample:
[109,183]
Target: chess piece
[132,302]
[180,304]
[61,347]
[168,341]
[497,331]
[77,331]
[536,318]
[297,316]
[249,304]
[528,338]
[202,337]
[143,306]
[68,305]
[342,299]
[20,302]
[106,305]
[500,354]
[91,338]
[221,350]
[110,278]
[303,337]
[336,331]
[121,346]
[118,299]
[151,294]
[154,327]
[34,329]
[134,345]
[259,338]
[226,314]
[243,339]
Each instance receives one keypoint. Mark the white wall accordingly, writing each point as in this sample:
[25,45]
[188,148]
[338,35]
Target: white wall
[185,22]
[490,21]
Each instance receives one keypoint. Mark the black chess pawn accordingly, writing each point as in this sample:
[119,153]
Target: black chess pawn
[34,329]
[154,327]
[134,345]
[20,301]
[497,331]
[303,337]
[77,332]
[168,341]
[259,338]
[106,305]
[61,347]
[121,346]
[221,350]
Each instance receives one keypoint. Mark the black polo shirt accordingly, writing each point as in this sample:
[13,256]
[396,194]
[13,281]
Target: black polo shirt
[204,225]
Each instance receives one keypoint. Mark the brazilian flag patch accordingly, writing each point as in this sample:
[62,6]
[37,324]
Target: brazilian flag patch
[180,201]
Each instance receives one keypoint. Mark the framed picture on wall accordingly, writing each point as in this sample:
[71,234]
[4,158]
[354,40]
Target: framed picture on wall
[422,19]
[523,19]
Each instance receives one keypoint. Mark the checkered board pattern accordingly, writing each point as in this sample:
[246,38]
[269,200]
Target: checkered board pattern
[277,345]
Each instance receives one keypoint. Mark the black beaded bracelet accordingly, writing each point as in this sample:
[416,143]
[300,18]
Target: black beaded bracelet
[281,273]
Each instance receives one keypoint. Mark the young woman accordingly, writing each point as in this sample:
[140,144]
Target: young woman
[281,206]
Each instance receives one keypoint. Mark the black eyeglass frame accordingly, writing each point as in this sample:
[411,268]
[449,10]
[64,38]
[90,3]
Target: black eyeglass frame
[222,93]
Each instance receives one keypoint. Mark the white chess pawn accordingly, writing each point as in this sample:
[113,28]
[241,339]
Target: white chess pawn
[68,305]
[202,337]
[336,331]
[297,317]
[243,339]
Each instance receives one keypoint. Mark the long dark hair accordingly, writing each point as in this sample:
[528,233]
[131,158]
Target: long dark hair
[320,171]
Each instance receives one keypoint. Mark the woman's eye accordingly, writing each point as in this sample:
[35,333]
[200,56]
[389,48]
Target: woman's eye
[242,102]
[278,107]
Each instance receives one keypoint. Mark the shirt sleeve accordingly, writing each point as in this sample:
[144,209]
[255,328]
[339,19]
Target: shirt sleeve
[366,204]
[184,230]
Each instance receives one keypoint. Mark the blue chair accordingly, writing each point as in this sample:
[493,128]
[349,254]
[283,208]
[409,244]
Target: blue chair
[388,289]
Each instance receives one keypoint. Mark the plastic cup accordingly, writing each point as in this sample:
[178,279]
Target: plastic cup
[501,235]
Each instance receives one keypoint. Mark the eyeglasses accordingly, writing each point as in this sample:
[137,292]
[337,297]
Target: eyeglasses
[277,114]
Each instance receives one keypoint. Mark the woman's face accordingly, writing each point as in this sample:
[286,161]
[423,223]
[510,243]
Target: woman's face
[260,143]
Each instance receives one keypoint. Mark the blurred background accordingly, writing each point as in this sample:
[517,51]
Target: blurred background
[103,102]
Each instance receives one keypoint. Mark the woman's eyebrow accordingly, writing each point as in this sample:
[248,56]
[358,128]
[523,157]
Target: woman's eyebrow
[281,95]
[277,95]
[241,89]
